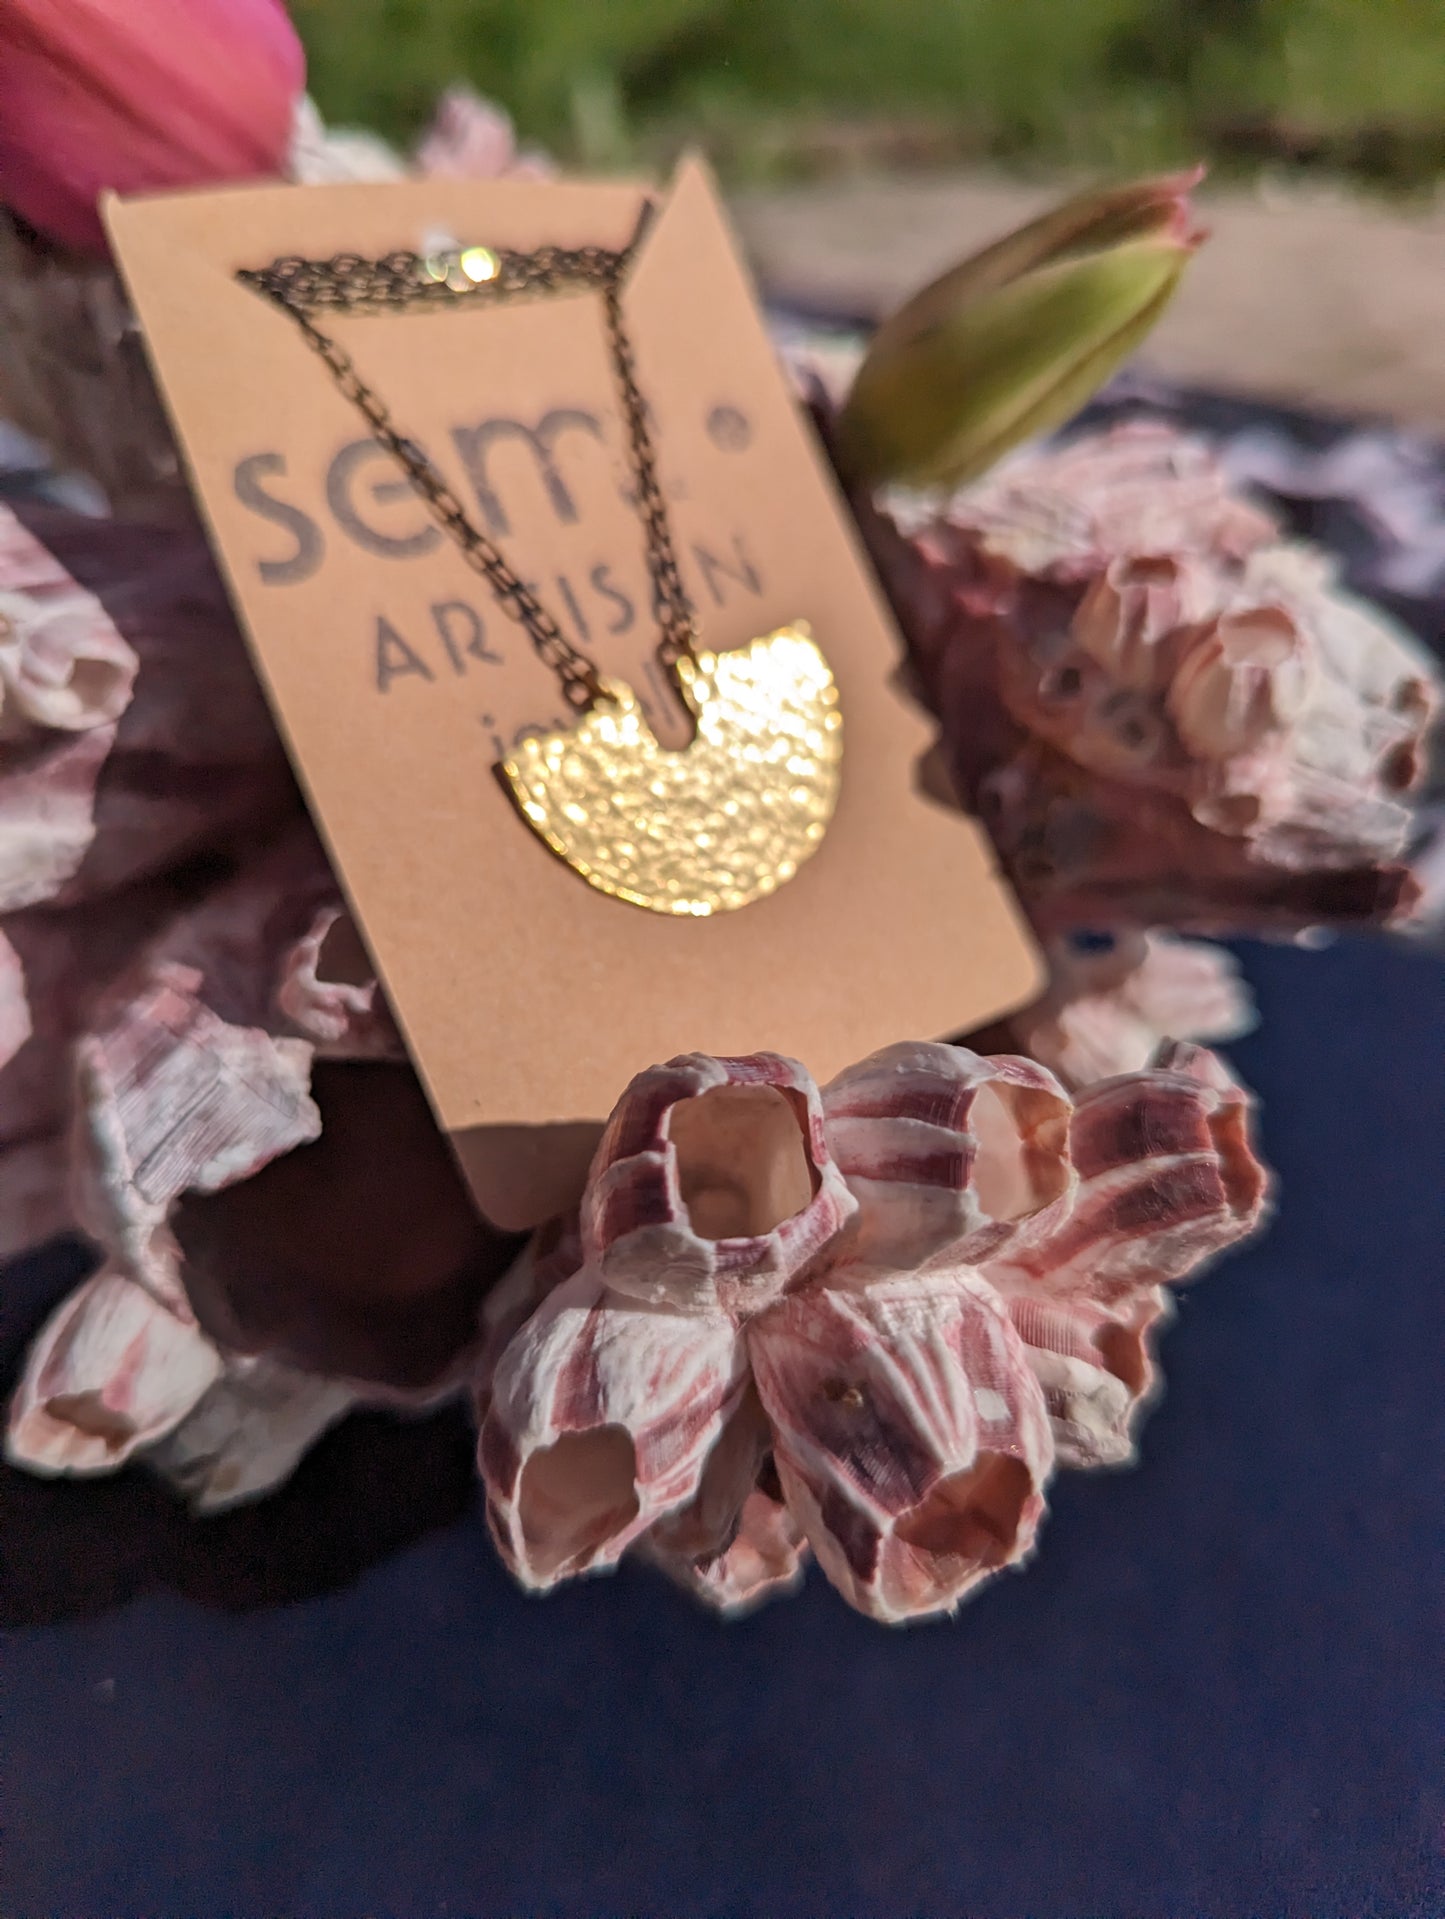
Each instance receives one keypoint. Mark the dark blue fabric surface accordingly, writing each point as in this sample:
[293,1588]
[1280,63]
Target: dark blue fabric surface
[1217,1692]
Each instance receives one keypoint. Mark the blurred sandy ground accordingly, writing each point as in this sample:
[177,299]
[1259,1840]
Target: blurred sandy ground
[1301,296]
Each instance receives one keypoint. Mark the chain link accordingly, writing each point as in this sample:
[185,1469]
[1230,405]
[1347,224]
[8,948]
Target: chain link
[349,284]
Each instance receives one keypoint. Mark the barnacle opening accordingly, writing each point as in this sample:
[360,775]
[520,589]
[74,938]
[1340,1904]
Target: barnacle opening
[708,1525]
[743,1165]
[92,681]
[574,1497]
[1061,683]
[1264,637]
[1401,767]
[1233,813]
[1240,1173]
[88,1413]
[971,1518]
[1124,1352]
[1021,1159]
[1412,698]
[341,959]
[1128,717]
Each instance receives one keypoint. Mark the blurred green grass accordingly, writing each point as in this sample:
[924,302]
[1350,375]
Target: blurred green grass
[782,86]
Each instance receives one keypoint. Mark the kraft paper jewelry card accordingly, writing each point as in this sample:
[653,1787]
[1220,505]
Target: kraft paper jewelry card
[582,671]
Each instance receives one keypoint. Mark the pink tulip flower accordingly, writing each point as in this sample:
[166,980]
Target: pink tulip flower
[138,95]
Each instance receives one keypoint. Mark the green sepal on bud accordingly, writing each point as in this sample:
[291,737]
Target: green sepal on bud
[1012,342]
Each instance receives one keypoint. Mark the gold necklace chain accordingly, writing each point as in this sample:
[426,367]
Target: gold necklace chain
[399,281]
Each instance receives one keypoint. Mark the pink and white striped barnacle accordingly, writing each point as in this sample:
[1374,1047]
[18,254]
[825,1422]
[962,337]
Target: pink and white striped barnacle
[713,1187]
[736,1543]
[64,663]
[602,1414]
[112,1372]
[765,1558]
[1113,998]
[910,1435]
[1168,1178]
[1096,1369]
[551,1256]
[945,1152]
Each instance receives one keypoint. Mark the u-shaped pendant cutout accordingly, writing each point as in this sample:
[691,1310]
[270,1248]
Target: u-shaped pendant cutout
[723,821]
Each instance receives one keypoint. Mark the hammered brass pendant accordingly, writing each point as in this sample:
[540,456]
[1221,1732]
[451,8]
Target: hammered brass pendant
[727,819]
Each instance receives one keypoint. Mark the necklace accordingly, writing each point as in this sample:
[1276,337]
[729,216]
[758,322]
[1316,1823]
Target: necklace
[724,820]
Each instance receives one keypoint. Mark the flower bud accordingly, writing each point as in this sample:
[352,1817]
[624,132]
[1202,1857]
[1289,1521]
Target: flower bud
[1016,339]
[138,96]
